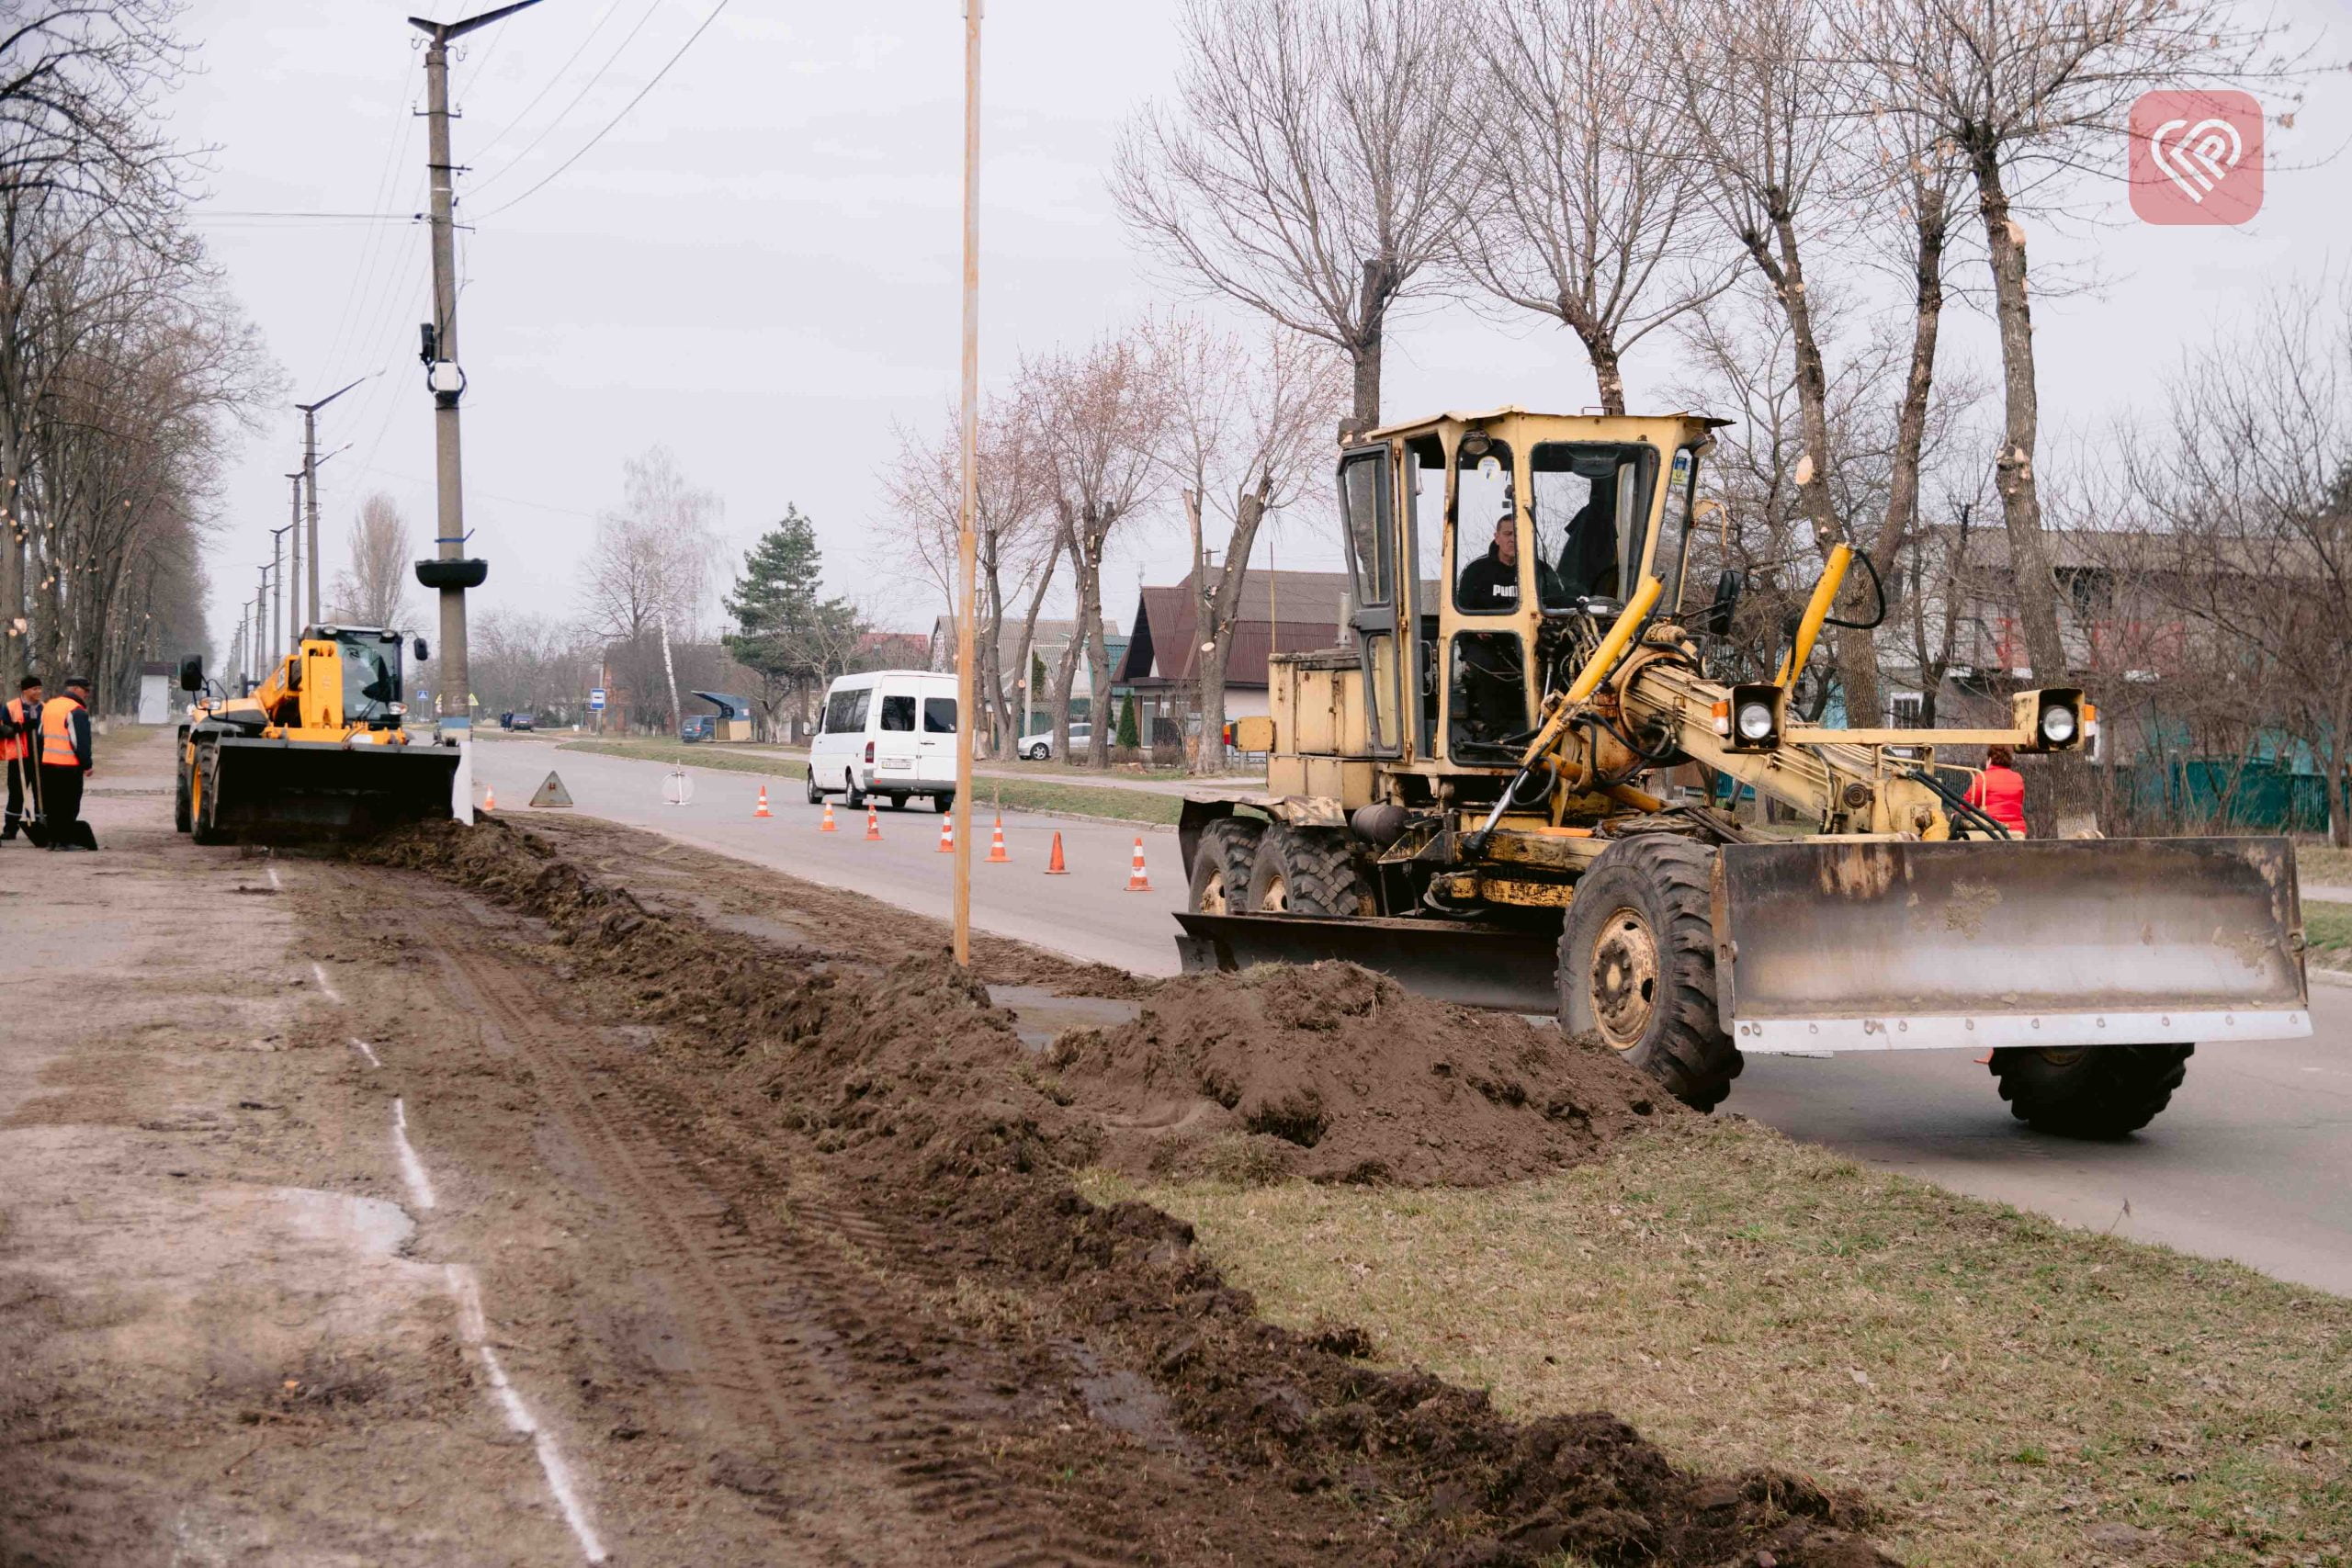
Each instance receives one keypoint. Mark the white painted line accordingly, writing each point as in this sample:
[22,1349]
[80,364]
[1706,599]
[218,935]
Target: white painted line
[419,1186]
[326,986]
[362,1048]
[475,1331]
[272,880]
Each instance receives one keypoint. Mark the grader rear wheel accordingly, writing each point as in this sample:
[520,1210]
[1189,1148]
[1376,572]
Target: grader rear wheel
[1305,871]
[2089,1091]
[1637,965]
[1222,862]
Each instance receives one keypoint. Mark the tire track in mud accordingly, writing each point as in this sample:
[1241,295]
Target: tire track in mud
[874,1462]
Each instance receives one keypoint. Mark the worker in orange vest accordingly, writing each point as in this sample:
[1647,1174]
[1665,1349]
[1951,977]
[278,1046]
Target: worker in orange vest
[2000,792]
[19,731]
[65,762]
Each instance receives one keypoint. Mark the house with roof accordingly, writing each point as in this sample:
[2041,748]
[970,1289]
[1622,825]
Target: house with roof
[1280,612]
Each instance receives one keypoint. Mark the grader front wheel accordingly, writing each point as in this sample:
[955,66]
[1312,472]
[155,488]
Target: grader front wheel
[1637,965]
[1306,871]
[1222,862]
[2089,1091]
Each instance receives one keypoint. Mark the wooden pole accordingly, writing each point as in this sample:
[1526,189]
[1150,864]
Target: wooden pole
[967,536]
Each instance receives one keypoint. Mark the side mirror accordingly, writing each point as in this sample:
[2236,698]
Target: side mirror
[1728,588]
[422,652]
[192,673]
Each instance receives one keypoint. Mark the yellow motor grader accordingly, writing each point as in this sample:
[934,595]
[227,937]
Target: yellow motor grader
[1471,796]
[320,750]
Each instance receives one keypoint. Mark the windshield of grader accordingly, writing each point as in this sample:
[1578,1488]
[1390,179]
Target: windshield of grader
[1590,504]
[372,678]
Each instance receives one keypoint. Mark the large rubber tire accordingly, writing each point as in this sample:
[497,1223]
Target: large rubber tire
[1637,965]
[180,816]
[2089,1091]
[204,815]
[815,795]
[944,804]
[1222,862]
[1306,871]
[855,797]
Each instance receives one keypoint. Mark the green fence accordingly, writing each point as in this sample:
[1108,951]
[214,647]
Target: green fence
[2222,793]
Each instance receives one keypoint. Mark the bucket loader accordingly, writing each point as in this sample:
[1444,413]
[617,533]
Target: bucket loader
[1471,796]
[318,751]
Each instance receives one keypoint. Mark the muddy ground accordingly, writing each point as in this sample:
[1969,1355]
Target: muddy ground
[749,1227]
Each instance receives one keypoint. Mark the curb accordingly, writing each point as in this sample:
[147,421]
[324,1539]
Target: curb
[2330,976]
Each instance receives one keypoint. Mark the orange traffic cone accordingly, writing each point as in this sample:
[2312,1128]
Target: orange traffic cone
[489,798]
[873,823]
[827,825]
[947,834]
[1054,866]
[996,845]
[1136,881]
[761,809]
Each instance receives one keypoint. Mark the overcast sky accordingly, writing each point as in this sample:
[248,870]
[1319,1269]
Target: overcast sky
[757,266]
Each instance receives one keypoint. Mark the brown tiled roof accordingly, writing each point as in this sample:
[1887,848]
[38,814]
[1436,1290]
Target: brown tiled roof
[1167,628]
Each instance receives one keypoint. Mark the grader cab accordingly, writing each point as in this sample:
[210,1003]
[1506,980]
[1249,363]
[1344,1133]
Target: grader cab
[1470,797]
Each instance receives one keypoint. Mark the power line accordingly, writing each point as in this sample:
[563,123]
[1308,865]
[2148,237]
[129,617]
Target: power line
[600,135]
[561,115]
[508,128]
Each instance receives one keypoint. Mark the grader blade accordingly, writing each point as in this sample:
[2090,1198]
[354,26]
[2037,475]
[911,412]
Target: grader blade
[1882,945]
[1474,964]
[289,791]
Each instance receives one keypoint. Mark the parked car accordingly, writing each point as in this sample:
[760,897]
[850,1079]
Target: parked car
[523,721]
[889,733]
[699,727]
[1038,747]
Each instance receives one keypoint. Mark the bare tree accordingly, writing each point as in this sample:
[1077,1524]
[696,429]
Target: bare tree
[2026,92]
[1583,206]
[649,570]
[2252,474]
[1306,165]
[1097,415]
[374,589]
[1241,438]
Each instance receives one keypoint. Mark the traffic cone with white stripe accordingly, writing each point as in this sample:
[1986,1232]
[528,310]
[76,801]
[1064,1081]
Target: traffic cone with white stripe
[761,809]
[873,822]
[947,834]
[1137,882]
[827,825]
[1054,866]
[996,845]
[489,798]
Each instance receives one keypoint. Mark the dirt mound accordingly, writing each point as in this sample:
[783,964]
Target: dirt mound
[916,1094]
[1335,1074]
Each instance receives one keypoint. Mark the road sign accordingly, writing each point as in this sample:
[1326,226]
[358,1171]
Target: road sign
[596,699]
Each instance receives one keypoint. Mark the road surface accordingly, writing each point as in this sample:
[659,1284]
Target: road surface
[2253,1162]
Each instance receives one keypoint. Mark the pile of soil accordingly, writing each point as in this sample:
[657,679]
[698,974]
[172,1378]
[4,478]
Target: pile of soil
[919,1094]
[1332,1073]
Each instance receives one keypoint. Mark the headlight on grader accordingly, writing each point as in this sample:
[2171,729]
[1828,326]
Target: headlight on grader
[2054,719]
[1755,716]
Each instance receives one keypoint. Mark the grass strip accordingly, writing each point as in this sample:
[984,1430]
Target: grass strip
[2013,1391]
[1014,794]
[2327,933]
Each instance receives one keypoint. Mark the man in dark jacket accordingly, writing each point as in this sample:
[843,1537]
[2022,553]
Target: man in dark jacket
[65,761]
[19,743]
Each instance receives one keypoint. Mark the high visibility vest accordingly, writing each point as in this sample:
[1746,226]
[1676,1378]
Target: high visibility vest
[57,733]
[17,745]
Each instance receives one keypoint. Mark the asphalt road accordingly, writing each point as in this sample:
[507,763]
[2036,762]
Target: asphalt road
[2252,1161]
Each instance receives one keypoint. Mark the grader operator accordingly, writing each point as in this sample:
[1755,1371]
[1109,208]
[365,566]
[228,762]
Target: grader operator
[318,751]
[1465,797]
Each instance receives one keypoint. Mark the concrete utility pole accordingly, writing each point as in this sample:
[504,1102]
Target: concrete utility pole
[311,478]
[451,572]
[293,621]
[967,539]
[277,570]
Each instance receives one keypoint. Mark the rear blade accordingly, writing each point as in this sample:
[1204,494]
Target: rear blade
[1828,945]
[1456,961]
[283,792]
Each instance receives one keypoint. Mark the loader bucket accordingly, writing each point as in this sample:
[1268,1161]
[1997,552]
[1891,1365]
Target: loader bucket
[284,791]
[1475,964]
[1876,944]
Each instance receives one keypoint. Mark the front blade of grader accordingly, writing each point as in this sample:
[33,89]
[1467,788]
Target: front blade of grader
[289,791]
[1878,945]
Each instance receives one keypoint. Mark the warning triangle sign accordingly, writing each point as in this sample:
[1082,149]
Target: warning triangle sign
[552,793]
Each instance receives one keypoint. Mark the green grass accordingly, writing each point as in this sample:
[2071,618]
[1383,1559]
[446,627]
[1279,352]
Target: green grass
[2010,1389]
[2327,928]
[2325,864]
[1014,794]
